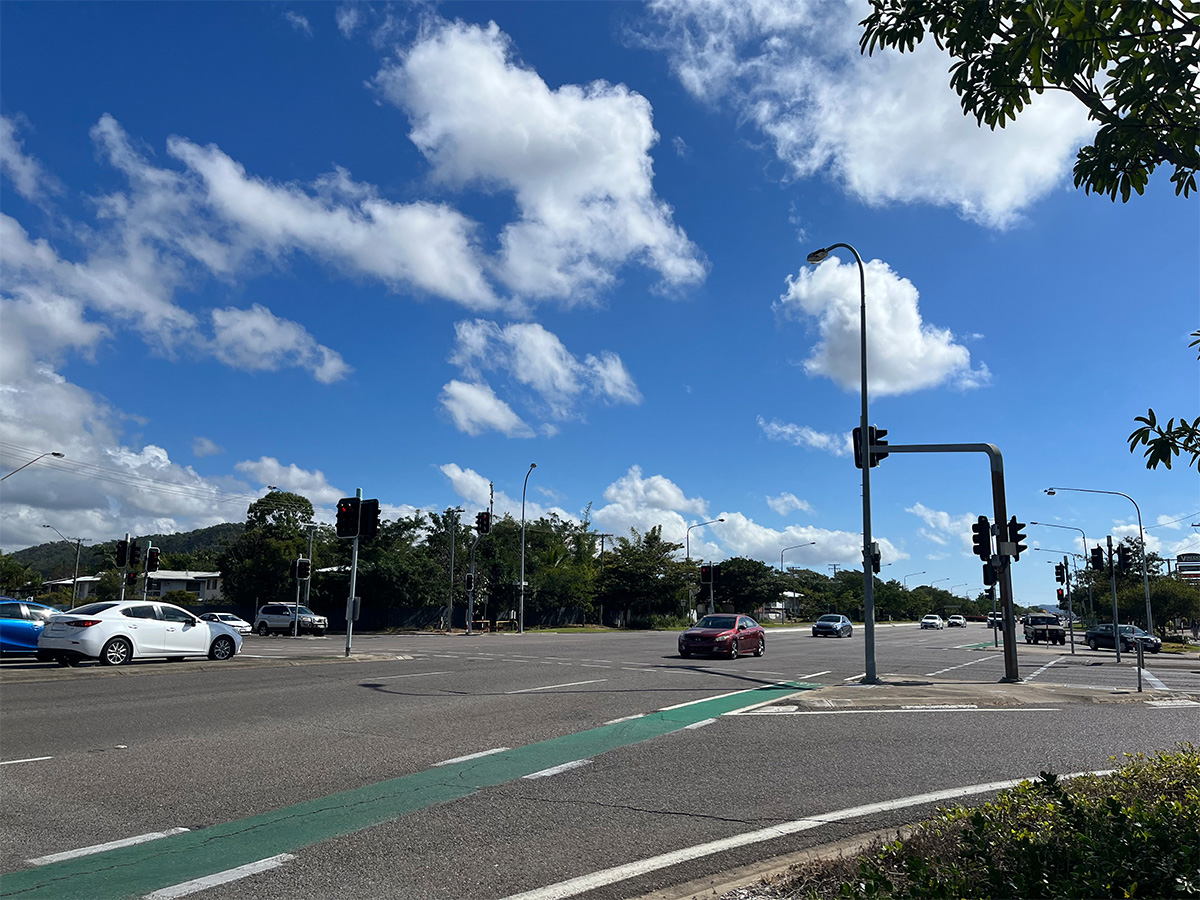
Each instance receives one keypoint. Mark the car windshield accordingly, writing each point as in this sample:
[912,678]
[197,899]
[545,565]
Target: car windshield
[1043,620]
[717,622]
[305,611]
[91,609]
[1134,630]
[932,618]
[830,619]
[226,617]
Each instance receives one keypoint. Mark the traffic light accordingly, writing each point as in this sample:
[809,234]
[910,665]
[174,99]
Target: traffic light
[1060,596]
[716,575]
[1016,537]
[1098,559]
[1060,574]
[368,519]
[135,553]
[706,574]
[483,522]
[470,582]
[152,556]
[876,557]
[131,578]
[875,438]
[981,538]
[857,433]
[989,574]
[122,554]
[303,569]
[1122,558]
[347,517]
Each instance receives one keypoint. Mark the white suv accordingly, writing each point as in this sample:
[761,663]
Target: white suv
[286,618]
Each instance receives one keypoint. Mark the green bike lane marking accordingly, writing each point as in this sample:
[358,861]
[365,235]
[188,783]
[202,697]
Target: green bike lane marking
[138,870]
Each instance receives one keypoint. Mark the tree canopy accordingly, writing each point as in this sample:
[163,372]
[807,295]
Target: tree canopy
[1133,65]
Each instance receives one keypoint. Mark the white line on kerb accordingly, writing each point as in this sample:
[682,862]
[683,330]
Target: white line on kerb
[554,770]
[551,687]
[470,756]
[1044,668]
[13,762]
[594,880]
[100,848]
[964,665]
[208,881]
[929,709]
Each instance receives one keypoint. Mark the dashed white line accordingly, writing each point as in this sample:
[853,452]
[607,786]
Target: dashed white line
[1044,668]
[815,674]
[100,848]
[550,687]
[594,666]
[13,762]
[964,665]
[1153,679]
[470,756]
[208,881]
[410,675]
[554,770]
[625,719]
[921,709]
[699,724]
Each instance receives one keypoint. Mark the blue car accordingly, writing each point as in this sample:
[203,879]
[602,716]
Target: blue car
[20,624]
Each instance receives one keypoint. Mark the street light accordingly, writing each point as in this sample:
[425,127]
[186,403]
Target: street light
[793,547]
[961,584]
[1091,608]
[908,576]
[53,453]
[78,545]
[868,576]
[1142,535]
[521,607]
[687,536]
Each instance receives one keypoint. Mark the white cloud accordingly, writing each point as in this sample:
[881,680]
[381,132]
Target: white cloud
[255,340]
[25,173]
[202,446]
[478,492]
[742,536]
[576,159]
[267,470]
[298,22]
[804,436]
[943,528]
[903,353]
[788,502]
[348,17]
[888,127]
[632,490]
[475,408]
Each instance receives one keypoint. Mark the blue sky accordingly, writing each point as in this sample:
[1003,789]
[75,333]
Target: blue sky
[412,249]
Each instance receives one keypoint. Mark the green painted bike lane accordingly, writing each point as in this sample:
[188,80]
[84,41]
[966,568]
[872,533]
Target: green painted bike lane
[135,871]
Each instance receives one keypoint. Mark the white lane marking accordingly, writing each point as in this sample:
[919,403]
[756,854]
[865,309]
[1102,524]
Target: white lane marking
[594,880]
[815,674]
[855,677]
[470,756]
[551,687]
[411,675]
[1044,668]
[202,884]
[594,666]
[635,669]
[1153,679]
[625,719]
[931,709]
[558,658]
[13,762]
[554,770]
[714,697]
[100,848]
[941,706]
[964,665]
[763,672]
[699,724]
[1172,704]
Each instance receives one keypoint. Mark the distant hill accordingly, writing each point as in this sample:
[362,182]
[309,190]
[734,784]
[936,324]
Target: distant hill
[57,560]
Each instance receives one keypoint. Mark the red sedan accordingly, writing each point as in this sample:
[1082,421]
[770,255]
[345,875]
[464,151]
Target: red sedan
[724,634]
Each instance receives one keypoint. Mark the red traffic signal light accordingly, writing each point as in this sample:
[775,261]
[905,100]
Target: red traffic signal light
[706,574]
[347,517]
[131,578]
[483,522]
[1060,595]
[152,556]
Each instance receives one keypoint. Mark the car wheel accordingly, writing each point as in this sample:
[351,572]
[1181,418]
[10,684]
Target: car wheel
[685,653]
[761,649]
[814,633]
[320,633]
[222,648]
[733,649]
[43,656]
[1154,649]
[850,631]
[116,652]
[1092,645]
[63,661]
[263,630]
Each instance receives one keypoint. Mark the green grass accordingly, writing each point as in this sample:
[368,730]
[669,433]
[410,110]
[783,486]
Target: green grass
[1135,833]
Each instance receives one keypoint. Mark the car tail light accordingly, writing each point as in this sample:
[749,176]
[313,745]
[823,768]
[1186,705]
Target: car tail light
[83,623]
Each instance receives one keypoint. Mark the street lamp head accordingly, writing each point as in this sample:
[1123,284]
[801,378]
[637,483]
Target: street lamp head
[1049,491]
[57,455]
[817,255]
[720,520]
[533,465]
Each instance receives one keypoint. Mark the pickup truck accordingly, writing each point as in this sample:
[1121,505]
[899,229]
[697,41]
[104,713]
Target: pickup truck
[1101,637]
[1044,627]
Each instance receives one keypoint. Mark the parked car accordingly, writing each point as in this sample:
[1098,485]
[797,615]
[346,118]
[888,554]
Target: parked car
[21,621]
[1100,637]
[956,622]
[835,625]
[932,621]
[723,634]
[241,626]
[115,632]
[287,618]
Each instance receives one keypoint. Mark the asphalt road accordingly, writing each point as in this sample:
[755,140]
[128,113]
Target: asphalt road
[597,765]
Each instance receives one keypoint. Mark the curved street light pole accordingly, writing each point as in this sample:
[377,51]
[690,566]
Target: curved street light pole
[793,547]
[78,546]
[908,576]
[868,576]
[53,453]
[1141,534]
[687,536]
[521,606]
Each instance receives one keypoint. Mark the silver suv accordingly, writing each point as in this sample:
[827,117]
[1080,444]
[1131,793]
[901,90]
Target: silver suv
[286,618]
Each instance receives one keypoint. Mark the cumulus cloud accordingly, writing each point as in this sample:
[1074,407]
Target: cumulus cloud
[475,408]
[267,470]
[904,354]
[788,502]
[888,127]
[202,446]
[943,528]
[256,340]
[575,159]
[804,436]
[479,491]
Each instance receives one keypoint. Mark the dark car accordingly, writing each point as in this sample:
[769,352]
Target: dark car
[1101,637]
[724,634]
[835,625]
[21,622]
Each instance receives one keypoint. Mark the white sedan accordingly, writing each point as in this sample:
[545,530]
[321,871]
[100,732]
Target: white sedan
[241,626]
[933,621]
[115,632]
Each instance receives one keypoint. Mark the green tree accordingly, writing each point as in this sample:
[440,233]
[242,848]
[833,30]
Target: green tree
[1132,65]
[1162,442]
[642,577]
[256,568]
[748,584]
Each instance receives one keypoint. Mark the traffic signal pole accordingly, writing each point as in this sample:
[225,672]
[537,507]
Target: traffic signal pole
[124,567]
[353,578]
[1070,606]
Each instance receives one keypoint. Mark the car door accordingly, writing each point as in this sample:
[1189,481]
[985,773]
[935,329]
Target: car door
[148,631]
[16,630]
[185,634]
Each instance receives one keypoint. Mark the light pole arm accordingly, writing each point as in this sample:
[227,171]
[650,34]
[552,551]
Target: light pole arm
[53,453]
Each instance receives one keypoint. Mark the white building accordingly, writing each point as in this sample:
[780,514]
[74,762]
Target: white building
[205,585]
